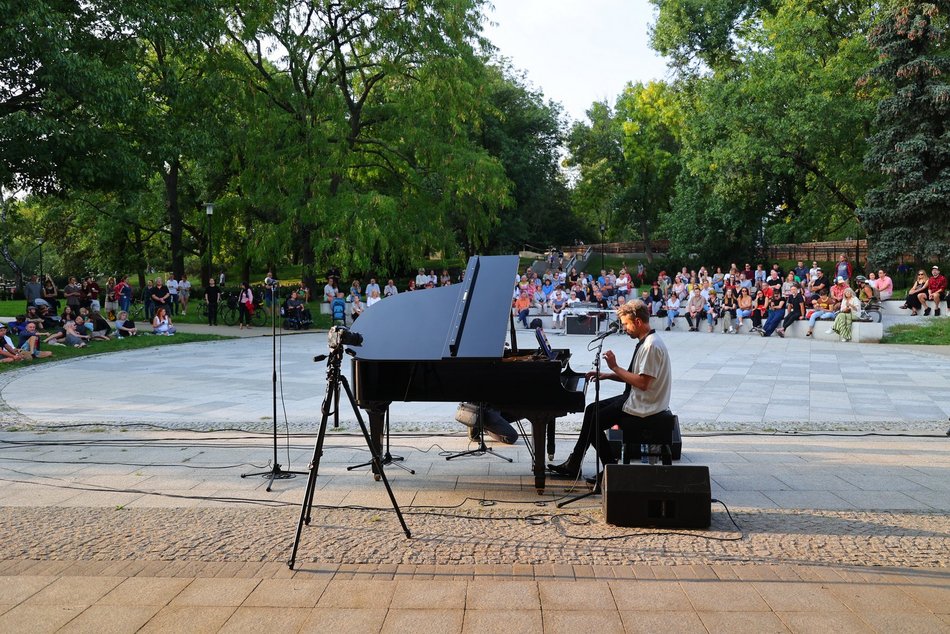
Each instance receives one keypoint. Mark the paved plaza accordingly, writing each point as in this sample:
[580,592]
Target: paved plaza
[123,506]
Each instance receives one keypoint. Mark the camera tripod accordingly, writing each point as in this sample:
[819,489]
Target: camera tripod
[336,380]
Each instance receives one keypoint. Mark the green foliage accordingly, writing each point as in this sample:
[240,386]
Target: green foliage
[773,140]
[910,211]
[627,160]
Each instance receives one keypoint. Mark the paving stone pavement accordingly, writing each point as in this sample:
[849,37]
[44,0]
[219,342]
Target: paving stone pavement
[117,528]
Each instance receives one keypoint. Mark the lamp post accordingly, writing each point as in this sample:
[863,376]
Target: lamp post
[603,228]
[39,243]
[209,211]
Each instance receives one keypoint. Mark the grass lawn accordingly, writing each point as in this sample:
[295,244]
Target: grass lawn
[936,332]
[115,345]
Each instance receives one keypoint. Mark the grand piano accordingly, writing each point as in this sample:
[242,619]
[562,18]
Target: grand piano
[448,344]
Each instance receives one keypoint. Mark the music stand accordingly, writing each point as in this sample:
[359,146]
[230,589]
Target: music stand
[388,458]
[275,472]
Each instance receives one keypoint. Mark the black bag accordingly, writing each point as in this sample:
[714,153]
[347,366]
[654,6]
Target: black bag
[661,312]
[536,323]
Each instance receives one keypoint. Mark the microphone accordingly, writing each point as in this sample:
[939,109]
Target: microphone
[611,329]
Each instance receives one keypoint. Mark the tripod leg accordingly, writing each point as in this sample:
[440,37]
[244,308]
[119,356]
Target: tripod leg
[374,451]
[307,504]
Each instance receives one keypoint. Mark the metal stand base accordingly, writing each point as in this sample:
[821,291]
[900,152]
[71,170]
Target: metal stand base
[482,448]
[276,473]
[387,458]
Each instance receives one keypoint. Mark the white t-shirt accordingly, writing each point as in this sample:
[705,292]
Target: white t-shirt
[172,286]
[653,359]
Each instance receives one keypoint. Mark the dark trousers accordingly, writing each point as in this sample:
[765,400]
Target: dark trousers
[611,413]
[700,316]
[212,313]
[775,318]
[790,319]
[523,317]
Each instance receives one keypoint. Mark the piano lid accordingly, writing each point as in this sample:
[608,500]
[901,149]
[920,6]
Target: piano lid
[465,321]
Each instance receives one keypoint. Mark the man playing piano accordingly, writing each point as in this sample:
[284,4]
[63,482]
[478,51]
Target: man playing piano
[645,400]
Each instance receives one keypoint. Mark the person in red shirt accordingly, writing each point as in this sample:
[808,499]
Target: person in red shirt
[936,290]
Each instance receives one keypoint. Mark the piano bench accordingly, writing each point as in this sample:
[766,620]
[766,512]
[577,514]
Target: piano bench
[658,434]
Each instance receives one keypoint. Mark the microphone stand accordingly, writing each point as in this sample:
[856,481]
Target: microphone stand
[275,472]
[595,429]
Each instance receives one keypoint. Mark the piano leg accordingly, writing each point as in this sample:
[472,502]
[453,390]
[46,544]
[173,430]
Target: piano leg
[550,435]
[539,427]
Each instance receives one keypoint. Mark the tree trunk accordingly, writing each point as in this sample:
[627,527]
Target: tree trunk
[647,247]
[174,217]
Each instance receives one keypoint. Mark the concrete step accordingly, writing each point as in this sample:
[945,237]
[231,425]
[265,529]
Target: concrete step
[892,307]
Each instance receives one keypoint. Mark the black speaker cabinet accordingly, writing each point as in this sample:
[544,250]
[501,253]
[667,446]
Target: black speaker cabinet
[657,496]
[580,325]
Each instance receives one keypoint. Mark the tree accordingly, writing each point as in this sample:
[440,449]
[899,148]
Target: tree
[910,211]
[374,154]
[627,158]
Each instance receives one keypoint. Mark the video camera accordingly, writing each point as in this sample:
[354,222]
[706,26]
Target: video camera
[340,336]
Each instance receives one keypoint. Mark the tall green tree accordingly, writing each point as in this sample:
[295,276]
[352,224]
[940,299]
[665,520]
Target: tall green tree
[910,211]
[627,160]
[375,154]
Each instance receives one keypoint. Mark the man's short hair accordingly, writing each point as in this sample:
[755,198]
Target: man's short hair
[636,308]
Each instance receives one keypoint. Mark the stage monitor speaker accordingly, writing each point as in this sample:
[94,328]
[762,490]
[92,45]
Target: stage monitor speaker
[657,496]
[581,325]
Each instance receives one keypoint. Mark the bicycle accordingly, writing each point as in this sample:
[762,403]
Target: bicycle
[872,311]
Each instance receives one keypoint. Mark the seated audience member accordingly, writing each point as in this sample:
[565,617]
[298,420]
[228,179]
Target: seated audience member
[850,310]
[746,307]
[412,287]
[523,307]
[8,352]
[162,323]
[728,310]
[936,291]
[421,279]
[788,284]
[356,307]
[76,334]
[865,291]
[29,343]
[776,315]
[99,327]
[885,285]
[329,291]
[837,291]
[293,307]
[655,299]
[558,304]
[824,308]
[818,282]
[373,286]
[917,294]
[124,327]
[672,309]
[695,309]
[760,310]
[373,298]
[390,289]
[794,310]
[713,309]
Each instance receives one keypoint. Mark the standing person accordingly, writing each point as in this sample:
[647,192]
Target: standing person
[221,280]
[73,294]
[645,399]
[843,268]
[112,300]
[212,295]
[51,294]
[32,290]
[148,304]
[161,296]
[184,292]
[172,285]
[245,305]
[124,293]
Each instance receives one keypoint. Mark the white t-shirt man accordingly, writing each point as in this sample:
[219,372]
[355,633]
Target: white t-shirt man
[172,285]
[652,359]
